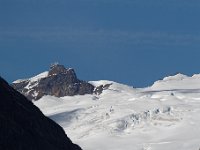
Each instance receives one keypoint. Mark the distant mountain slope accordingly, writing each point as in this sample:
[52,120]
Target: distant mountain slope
[178,81]
[24,127]
[58,81]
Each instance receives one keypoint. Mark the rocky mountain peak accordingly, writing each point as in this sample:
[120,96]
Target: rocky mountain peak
[60,71]
[58,81]
[56,69]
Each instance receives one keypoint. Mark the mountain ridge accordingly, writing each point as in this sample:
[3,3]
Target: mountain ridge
[60,81]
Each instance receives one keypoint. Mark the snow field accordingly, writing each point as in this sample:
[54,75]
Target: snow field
[165,116]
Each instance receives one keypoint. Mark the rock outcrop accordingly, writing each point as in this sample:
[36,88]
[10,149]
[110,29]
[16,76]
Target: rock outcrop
[58,81]
[24,127]
[99,89]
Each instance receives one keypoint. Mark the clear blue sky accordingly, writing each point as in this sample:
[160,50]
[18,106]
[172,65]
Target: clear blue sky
[135,42]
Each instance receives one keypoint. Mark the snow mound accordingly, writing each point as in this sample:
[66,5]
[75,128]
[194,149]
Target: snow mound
[176,77]
[179,82]
[114,86]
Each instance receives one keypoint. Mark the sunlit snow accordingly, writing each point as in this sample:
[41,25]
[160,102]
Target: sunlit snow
[165,116]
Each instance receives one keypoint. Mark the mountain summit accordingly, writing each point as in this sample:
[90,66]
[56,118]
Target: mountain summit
[58,81]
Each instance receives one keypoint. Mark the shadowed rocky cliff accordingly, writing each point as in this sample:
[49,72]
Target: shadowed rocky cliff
[24,127]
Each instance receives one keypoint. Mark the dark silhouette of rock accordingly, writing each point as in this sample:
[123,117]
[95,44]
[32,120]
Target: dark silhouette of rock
[59,82]
[24,127]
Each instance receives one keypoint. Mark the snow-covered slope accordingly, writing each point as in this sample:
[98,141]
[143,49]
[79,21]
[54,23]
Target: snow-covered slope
[165,116]
[177,82]
[35,78]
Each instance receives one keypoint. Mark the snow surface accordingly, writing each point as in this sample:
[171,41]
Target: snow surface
[165,116]
[34,79]
[33,82]
[39,76]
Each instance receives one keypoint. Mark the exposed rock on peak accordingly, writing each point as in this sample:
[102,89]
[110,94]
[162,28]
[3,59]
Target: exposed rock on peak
[58,81]
[56,69]
[23,126]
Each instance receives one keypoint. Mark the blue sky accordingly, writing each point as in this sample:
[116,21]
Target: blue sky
[135,42]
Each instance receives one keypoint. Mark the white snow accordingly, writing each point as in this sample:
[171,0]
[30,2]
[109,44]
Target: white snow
[165,116]
[33,79]
[19,80]
[176,77]
[39,76]
[32,82]
[101,82]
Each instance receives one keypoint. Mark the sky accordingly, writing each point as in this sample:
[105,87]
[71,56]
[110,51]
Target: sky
[134,42]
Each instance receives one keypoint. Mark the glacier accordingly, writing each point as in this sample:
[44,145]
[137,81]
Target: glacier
[164,116]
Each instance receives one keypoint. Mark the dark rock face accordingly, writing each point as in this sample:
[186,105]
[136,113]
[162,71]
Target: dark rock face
[57,69]
[59,82]
[24,127]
